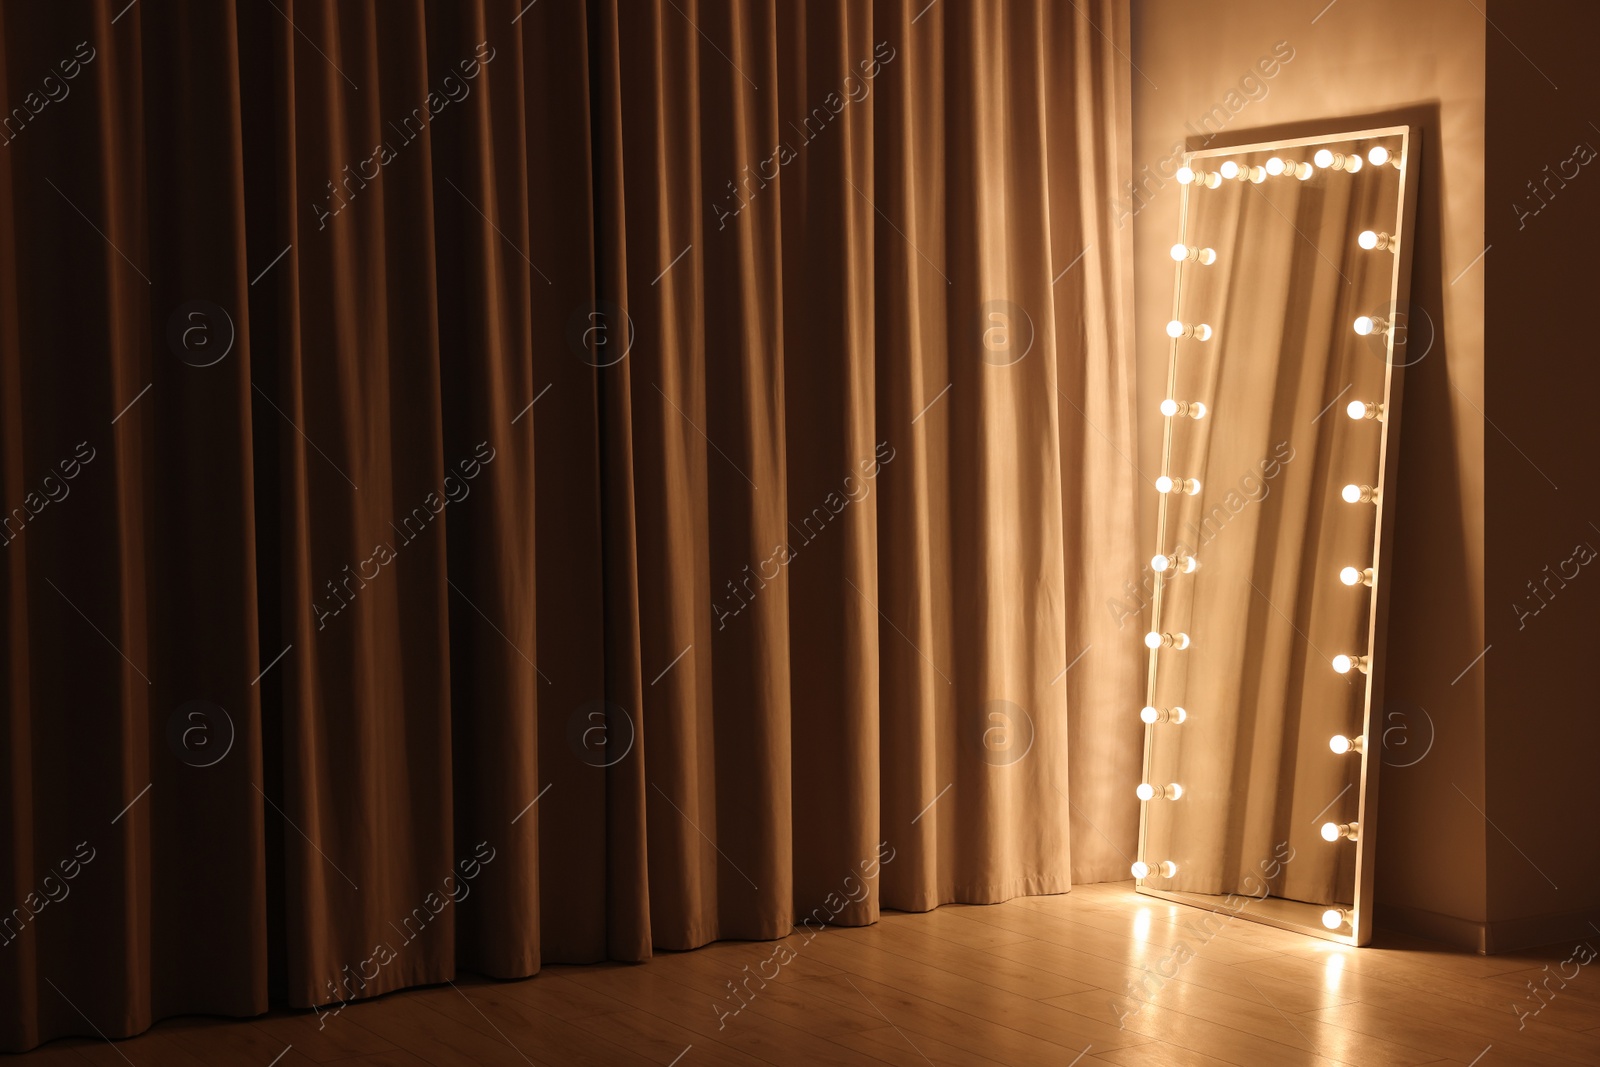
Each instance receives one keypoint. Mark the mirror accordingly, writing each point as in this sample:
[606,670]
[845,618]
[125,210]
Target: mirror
[1280,425]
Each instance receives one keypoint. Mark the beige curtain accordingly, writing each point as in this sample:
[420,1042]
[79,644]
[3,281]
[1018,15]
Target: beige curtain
[669,454]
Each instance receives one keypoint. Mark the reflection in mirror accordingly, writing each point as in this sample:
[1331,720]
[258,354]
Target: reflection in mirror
[1287,337]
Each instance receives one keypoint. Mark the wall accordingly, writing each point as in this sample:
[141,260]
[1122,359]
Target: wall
[1362,63]
[1543,221]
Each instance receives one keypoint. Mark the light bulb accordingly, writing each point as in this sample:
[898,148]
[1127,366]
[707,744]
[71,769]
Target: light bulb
[1191,486]
[1174,791]
[1378,155]
[1342,664]
[1152,640]
[1275,166]
[1164,869]
[1334,918]
[1146,791]
[1169,407]
[1197,410]
[1199,330]
[1364,325]
[1185,175]
[1177,715]
[1164,485]
[1150,714]
[1303,171]
[1337,160]
[1204,256]
[1332,831]
[1361,409]
[1155,639]
[1230,169]
[1359,494]
[1154,715]
[1257,174]
[1341,744]
[1175,562]
[1353,576]
[1368,239]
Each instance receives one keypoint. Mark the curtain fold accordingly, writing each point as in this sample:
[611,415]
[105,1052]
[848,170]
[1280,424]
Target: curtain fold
[490,484]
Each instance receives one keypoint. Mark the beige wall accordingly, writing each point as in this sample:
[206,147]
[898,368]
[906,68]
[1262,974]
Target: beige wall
[1366,63]
[1544,722]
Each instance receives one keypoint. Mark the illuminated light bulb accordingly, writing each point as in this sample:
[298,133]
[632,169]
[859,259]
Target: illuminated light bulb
[1303,171]
[1204,256]
[1190,486]
[1257,175]
[1332,831]
[1185,175]
[1164,869]
[1164,484]
[1192,408]
[1371,239]
[1154,640]
[1198,330]
[1230,169]
[1366,325]
[1150,714]
[1275,166]
[1337,160]
[1352,576]
[1177,562]
[1146,791]
[1154,715]
[1359,494]
[1334,918]
[1378,155]
[1342,664]
[1341,744]
[1361,409]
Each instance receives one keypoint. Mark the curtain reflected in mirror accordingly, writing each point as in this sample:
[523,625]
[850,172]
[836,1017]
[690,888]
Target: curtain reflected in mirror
[1287,329]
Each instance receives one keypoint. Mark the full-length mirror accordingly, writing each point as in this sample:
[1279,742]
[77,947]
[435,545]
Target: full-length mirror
[1280,422]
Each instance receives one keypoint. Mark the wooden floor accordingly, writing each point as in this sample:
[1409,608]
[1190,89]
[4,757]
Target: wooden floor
[1043,980]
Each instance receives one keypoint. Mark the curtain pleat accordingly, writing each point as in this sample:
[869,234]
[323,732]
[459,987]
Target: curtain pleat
[548,483]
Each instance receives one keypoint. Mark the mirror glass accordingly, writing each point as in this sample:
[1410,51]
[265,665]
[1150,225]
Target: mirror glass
[1280,425]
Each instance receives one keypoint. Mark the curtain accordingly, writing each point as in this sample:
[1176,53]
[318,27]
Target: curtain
[490,484]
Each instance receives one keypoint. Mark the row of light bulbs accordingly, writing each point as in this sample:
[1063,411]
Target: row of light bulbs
[1325,159]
